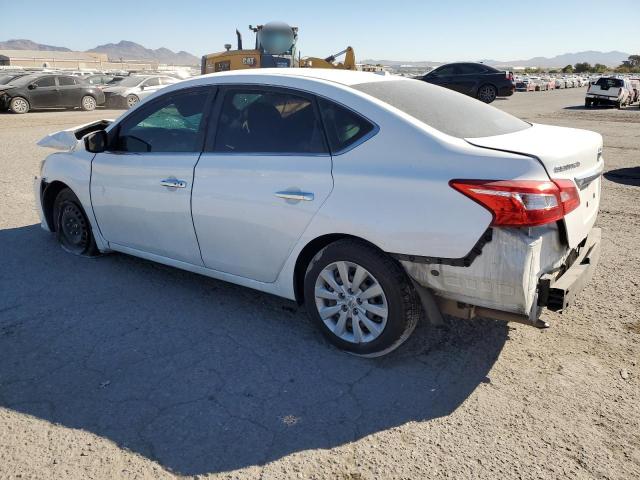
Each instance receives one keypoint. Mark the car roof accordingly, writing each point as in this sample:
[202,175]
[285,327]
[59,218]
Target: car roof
[343,77]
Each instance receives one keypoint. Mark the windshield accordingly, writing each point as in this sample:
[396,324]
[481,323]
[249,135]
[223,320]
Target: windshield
[449,112]
[130,81]
[25,80]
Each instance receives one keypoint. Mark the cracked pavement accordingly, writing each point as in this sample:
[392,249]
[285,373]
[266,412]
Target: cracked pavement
[118,367]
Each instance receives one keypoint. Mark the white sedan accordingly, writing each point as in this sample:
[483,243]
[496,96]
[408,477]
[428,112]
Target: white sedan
[373,200]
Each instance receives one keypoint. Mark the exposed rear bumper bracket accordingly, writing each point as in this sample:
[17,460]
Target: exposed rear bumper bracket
[557,293]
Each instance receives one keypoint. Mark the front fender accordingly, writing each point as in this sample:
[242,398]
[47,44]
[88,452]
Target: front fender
[73,169]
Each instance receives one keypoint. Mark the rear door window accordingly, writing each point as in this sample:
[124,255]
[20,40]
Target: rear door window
[344,127]
[268,121]
[606,83]
[65,81]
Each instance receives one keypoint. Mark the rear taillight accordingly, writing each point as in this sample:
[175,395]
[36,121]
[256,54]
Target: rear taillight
[522,203]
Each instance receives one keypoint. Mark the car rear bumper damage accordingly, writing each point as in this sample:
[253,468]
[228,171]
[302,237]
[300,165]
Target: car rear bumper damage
[518,273]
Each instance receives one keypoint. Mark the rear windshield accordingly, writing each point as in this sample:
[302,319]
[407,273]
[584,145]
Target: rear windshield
[447,111]
[609,83]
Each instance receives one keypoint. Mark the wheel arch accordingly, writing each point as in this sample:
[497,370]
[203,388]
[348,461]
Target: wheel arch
[49,195]
[309,251]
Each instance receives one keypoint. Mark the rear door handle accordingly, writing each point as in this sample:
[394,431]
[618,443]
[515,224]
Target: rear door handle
[297,196]
[173,183]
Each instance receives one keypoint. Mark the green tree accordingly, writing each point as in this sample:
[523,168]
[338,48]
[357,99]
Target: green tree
[568,69]
[634,61]
[582,67]
[600,68]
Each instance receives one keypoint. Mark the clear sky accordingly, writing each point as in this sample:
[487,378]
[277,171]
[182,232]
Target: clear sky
[391,29]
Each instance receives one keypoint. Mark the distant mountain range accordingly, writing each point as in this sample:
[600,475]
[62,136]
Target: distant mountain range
[611,59]
[122,50]
[29,45]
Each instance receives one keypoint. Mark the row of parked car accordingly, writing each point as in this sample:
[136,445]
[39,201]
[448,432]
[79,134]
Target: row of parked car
[537,84]
[21,92]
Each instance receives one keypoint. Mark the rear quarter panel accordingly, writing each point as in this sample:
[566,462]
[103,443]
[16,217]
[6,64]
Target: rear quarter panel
[393,190]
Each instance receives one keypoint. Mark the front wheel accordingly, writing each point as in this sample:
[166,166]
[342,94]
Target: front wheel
[361,299]
[73,229]
[19,105]
[132,100]
[88,103]
[487,93]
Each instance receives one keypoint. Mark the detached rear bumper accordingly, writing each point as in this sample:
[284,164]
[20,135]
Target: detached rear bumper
[560,292]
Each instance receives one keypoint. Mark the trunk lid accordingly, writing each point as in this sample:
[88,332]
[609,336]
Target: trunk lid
[565,153]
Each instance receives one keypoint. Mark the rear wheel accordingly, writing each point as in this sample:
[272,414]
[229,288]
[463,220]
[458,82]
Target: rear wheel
[132,100]
[73,229]
[361,299]
[19,105]
[88,103]
[487,93]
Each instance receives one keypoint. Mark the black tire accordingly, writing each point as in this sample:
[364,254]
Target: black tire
[88,103]
[73,230]
[19,105]
[403,303]
[487,93]
[587,103]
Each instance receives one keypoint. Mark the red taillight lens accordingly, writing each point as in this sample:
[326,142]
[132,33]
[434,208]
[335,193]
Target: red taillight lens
[521,203]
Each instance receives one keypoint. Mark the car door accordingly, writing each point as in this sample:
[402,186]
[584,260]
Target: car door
[264,174]
[44,92]
[69,91]
[467,78]
[141,187]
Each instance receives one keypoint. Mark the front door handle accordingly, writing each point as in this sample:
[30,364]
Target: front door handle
[173,183]
[296,196]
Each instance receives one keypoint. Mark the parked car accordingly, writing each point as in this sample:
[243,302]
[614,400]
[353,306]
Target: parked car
[31,92]
[474,79]
[103,80]
[261,193]
[609,91]
[561,83]
[525,85]
[549,82]
[130,90]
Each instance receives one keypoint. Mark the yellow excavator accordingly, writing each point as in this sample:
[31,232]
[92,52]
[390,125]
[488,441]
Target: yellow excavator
[275,46]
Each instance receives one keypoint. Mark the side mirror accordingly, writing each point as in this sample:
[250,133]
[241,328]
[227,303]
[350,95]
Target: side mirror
[33,86]
[142,87]
[96,142]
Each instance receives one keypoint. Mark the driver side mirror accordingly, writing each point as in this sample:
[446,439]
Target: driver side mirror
[142,87]
[96,142]
[33,86]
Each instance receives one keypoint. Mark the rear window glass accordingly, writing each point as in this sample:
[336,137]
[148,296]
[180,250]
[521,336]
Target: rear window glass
[447,111]
[609,83]
[343,127]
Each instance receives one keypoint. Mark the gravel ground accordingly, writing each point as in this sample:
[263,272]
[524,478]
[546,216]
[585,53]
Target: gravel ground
[119,368]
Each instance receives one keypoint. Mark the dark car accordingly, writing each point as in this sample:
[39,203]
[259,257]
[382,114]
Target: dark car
[474,79]
[49,91]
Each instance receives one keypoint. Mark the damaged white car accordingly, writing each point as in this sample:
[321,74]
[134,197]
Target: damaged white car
[373,200]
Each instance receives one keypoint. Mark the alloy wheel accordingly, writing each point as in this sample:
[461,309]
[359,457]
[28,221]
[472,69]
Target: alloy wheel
[88,103]
[351,302]
[487,94]
[19,105]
